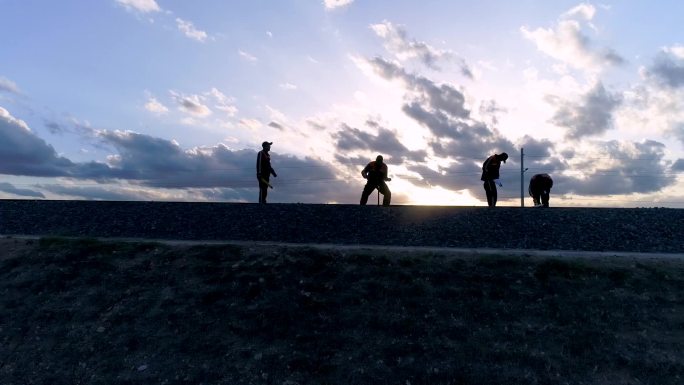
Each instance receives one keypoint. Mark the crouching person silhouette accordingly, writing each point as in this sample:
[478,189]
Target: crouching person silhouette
[376,175]
[540,189]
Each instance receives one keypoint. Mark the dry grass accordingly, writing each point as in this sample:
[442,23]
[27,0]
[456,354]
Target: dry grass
[92,312]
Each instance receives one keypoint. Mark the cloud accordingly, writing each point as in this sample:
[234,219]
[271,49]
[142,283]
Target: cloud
[668,67]
[10,189]
[191,104]
[568,43]
[251,124]
[190,31]
[349,139]
[591,115]
[439,97]
[276,125]
[154,106]
[334,4]
[626,168]
[399,44]
[223,102]
[108,193]
[142,6]
[678,165]
[247,56]
[156,162]
[23,153]
[7,85]
[288,86]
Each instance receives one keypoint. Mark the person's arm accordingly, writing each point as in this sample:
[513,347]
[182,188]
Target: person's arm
[385,178]
[258,165]
[364,172]
[273,172]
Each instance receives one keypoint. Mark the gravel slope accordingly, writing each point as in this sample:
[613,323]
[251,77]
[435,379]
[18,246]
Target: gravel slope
[590,229]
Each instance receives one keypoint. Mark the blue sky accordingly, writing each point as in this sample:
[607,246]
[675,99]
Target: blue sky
[170,100]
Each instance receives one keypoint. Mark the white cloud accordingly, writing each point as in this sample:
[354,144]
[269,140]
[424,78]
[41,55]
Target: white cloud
[568,43]
[191,104]
[8,85]
[190,31]
[223,102]
[288,86]
[247,56]
[584,11]
[153,105]
[143,6]
[333,4]
[251,124]
[676,50]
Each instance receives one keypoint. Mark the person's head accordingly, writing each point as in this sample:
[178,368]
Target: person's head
[378,159]
[266,145]
[503,156]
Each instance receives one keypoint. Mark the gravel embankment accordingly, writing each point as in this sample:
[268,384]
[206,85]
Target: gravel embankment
[590,229]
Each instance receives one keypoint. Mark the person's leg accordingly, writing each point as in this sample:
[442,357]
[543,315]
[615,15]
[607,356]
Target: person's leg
[386,194]
[367,190]
[488,192]
[545,198]
[263,191]
[493,192]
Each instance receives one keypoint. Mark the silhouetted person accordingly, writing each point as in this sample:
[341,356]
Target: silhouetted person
[490,176]
[540,189]
[376,174]
[264,170]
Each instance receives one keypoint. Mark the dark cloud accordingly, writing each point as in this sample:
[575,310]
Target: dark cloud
[23,153]
[276,125]
[155,162]
[384,142]
[158,162]
[441,97]
[441,108]
[54,128]
[11,189]
[401,45]
[678,165]
[668,69]
[592,115]
[628,168]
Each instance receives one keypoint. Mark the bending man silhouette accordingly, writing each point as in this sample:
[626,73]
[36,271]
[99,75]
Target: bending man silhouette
[540,189]
[490,176]
[376,174]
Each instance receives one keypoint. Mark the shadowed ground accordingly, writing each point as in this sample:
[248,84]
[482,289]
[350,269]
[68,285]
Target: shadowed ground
[93,312]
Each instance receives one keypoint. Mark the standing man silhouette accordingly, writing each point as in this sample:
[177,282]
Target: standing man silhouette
[490,176]
[264,170]
[376,174]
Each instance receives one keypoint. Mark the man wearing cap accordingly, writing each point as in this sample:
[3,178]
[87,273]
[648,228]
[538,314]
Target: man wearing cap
[490,176]
[376,174]
[540,189]
[264,170]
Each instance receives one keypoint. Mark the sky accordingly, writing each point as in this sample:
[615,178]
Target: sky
[170,100]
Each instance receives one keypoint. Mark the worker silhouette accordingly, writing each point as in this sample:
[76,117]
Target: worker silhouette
[540,189]
[490,176]
[376,175]
[264,170]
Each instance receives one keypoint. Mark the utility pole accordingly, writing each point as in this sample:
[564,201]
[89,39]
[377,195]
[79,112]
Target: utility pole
[522,177]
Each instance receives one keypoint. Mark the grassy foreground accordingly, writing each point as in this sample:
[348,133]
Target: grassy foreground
[90,312]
